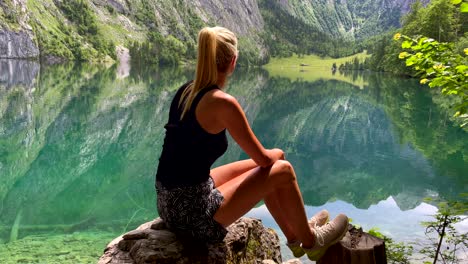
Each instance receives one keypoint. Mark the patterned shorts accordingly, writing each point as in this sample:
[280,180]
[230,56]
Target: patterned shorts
[189,211]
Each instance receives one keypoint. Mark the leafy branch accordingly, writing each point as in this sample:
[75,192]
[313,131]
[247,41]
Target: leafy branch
[438,65]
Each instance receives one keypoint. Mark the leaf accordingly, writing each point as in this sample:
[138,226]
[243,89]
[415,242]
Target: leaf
[406,44]
[411,61]
[464,8]
[430,71]
[461,68]
[403,55]
[455,2]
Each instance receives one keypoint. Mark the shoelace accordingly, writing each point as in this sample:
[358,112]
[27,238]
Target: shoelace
[321,231]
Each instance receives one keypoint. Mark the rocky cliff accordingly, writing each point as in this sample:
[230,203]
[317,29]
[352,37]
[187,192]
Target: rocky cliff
[16,36]
[352,19]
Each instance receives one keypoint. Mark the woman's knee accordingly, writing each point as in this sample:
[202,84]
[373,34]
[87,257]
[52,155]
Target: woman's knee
[283,170]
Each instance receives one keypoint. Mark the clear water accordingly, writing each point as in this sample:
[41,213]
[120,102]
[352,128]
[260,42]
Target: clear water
[79,147]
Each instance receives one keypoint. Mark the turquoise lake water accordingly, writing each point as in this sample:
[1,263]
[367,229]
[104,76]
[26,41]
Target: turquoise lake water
[79,147]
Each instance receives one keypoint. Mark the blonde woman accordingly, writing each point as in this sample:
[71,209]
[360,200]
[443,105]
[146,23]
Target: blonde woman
[200,203]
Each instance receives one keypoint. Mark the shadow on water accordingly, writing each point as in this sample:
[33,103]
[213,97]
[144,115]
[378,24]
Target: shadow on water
[79,146]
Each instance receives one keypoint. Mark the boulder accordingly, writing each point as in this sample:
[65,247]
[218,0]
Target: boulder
[247,241]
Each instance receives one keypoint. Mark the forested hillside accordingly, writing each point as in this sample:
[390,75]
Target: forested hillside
[351,19]
[439,20]
[162,31]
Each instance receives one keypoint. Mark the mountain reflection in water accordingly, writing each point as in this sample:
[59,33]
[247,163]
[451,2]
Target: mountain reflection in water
[79,145]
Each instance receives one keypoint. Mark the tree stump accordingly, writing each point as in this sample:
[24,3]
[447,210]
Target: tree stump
[357,247]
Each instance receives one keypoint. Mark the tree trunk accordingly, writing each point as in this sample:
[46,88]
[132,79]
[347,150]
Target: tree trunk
[357,247]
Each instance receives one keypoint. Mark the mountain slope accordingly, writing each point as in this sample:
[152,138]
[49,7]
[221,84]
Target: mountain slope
[90,29]
[351,19]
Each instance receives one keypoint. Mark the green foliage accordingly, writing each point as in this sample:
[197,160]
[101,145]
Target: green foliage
[249,54]
[442,227]
[439,20]
[9,12]
[171,49]
[111,9]
[354,65]
[396,252]
[286,35]
[158,50]
[439,66]
[82,16]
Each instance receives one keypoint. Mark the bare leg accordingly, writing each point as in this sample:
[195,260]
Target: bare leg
[274,206]
[238,171]
[278,185]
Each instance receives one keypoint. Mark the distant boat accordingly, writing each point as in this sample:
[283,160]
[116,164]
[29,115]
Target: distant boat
[303,64]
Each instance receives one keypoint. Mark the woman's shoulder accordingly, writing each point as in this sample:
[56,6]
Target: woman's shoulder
[222,98]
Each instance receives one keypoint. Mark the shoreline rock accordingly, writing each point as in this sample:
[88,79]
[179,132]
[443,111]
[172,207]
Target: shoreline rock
[247,241]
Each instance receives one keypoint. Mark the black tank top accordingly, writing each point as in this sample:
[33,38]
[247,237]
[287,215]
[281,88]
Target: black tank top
[188,150]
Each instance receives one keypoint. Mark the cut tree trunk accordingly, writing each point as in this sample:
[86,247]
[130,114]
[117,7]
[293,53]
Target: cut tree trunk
[357,247]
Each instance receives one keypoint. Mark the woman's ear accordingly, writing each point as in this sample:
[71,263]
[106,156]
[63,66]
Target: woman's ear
[233,62]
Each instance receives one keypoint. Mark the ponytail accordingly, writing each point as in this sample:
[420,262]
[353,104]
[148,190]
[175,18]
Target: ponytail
[216,47]
[207,73]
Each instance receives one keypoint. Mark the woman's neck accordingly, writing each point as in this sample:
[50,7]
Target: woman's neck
[222,77]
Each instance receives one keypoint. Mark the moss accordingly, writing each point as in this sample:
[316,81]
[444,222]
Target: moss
[252,247]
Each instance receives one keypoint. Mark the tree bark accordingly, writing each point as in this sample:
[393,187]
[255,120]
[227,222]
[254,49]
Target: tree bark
[357,247]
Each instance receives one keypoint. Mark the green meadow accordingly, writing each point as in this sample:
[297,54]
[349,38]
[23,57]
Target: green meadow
[312,68]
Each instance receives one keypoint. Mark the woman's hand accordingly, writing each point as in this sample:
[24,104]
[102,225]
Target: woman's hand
[275,154]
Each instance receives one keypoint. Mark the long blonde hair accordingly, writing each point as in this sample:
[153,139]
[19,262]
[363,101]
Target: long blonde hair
[216,48]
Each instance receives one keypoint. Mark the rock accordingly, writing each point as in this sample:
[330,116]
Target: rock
[293,261]
[17,45]
[247,241]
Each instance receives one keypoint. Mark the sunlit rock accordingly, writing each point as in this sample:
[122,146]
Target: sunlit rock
[246,242]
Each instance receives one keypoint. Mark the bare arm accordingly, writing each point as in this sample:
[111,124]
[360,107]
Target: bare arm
[232,117]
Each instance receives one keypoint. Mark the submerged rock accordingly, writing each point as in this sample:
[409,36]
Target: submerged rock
[247,241]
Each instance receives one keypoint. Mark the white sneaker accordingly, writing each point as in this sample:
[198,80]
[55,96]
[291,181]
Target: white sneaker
[327,235]
[319,219]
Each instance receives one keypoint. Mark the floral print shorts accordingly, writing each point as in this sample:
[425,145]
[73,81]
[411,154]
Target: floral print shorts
[189,211]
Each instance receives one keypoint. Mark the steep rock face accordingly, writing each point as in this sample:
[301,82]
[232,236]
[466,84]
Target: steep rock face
[349,18]
[17,45]
[247,242]
[243,17]
[16,37]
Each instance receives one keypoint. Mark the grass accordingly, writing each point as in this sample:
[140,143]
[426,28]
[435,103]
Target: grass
[313,68]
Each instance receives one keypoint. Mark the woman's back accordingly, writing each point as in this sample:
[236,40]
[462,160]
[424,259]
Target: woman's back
[188,150]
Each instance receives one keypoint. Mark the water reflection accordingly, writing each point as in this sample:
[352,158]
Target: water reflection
[346,143]
[79,146]
[18,72]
